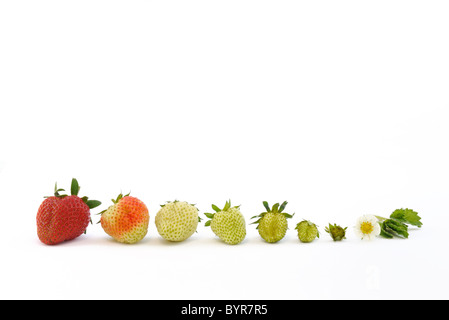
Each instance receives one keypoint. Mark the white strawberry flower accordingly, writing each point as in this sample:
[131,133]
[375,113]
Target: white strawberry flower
[367,227]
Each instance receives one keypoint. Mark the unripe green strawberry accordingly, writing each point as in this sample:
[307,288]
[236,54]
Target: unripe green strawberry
[307,231]
[126,220]
[227,223]
[177,221]
[272,224]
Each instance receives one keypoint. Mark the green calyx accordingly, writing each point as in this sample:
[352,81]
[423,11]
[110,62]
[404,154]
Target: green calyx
[336,232]
[397,224]
[193,205]
[276,209]
[74,191]
[114,201]
[120,197]
[217,209]
[163,205]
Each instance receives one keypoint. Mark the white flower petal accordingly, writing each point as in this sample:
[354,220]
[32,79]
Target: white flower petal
[367,219]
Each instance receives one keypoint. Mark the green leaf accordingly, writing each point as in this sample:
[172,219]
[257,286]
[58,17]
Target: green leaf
[217,209]
[275,208]
[75,188]
[207,223]
[407,216]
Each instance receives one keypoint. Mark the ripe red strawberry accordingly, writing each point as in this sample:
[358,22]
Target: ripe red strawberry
[63,217]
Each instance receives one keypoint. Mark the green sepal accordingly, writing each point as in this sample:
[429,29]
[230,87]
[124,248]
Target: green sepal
[227,206]
[176,200]
[56,192]
[209,215]
[282,207]
[288,216]
[75,187]
[257,222]
[93,203]
[265,204]
[120,197]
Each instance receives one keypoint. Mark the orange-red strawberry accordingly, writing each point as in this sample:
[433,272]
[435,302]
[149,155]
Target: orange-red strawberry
[63,217]
[126,220]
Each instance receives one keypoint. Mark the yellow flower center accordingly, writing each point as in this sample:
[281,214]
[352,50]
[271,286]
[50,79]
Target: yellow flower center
[366,227]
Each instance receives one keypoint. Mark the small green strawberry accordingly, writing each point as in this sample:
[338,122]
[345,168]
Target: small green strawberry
[227,223]
[272,224]
[307,231]
[336,232]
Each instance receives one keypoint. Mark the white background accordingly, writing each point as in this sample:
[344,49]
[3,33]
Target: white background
[339,107]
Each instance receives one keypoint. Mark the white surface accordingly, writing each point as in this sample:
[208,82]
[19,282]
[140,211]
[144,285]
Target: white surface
[341,108]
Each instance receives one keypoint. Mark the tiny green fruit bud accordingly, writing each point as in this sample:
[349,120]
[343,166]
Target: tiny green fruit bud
[307,231]
[336,232]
